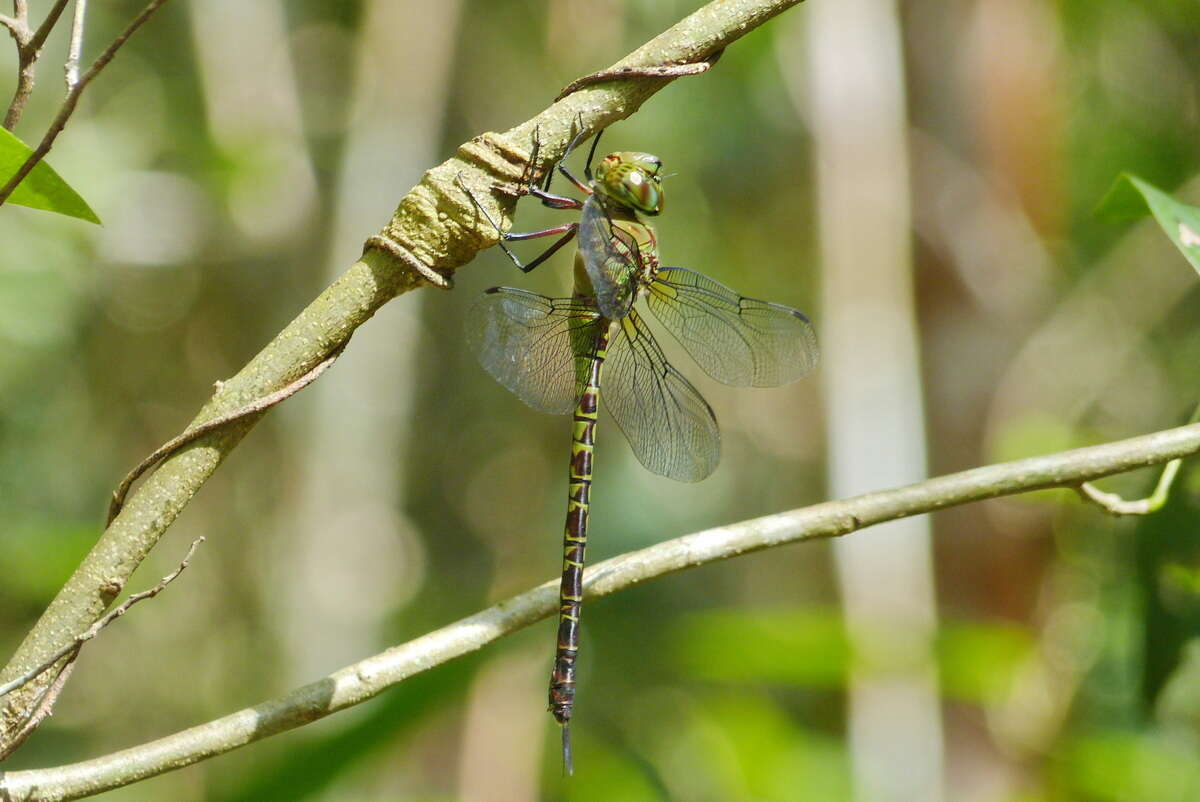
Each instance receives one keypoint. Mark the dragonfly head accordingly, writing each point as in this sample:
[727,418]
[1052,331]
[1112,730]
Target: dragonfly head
[631,179]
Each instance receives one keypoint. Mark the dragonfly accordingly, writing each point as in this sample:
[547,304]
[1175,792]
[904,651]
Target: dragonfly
[556,354]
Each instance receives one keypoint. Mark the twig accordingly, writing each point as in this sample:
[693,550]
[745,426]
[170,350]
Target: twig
[75,48]
[18,27]
[29,48]
[363,680]
[661,71]
[255,407]
[41,709]
[43,31]
[95,628]
[72,99]
[1113,504]
[71,651]
[15,28]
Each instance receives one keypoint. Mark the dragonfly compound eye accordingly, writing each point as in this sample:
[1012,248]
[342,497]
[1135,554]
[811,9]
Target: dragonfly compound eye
[631,179]
[644,191]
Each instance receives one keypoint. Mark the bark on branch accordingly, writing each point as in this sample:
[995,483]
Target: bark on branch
[361,681]
[436,227]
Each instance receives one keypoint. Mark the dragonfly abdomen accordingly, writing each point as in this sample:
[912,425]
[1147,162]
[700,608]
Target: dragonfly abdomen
[583,440]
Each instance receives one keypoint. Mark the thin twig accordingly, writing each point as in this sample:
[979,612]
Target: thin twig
[95,628]
[71,651]
[365,679]
[18,26]
[72,99]
[40,711]
[15,28]
[1114,504]
[255,407]
[75,48]
[43,31]
[29,48]
[661,71]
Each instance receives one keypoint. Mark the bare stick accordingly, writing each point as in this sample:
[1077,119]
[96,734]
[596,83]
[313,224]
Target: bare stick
[71,651]
[662,71]
[95,628]
[75,48]
[255,407]
[72,99]
[41,709]
[18,27]
[14,26]
[1113,504]
[363,680]
[43,31]
[29,48]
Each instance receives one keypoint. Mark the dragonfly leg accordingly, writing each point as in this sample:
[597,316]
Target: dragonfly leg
[568,231]
[555,201]
[582,187]
[587,168]
[562,167]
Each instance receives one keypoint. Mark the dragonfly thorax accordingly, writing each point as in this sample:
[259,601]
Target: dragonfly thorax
[632,180]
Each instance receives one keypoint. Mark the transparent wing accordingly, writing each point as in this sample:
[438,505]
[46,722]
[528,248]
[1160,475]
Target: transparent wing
[736,340]
[611,259]
[533,344]
[668,423]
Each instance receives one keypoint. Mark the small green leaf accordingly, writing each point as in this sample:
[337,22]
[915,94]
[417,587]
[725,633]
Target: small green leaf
[1130,196]
[42,188]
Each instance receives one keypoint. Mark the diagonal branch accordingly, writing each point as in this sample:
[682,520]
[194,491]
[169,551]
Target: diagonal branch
[363,680]
[43,31]
[435,226]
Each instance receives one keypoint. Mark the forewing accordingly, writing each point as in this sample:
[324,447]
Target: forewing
[530,343]
[668,423]
[739,341]
[611,259]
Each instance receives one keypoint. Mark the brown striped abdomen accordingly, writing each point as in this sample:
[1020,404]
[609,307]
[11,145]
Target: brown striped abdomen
[570,594]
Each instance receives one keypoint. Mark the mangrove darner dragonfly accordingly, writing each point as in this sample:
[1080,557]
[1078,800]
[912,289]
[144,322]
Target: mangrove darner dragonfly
[551,353]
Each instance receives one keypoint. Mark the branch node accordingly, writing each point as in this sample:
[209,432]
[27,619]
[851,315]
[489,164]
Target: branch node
[655,71]
[382,242]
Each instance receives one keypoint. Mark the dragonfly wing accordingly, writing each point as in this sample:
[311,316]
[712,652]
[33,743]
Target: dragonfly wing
[533,344]
[739,341]
[611,258]
[668,423]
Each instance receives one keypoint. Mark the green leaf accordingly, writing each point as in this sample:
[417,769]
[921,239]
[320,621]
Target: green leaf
[42,188]
[1130,196]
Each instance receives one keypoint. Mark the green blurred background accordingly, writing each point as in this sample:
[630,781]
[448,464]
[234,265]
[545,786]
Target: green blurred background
[239,153]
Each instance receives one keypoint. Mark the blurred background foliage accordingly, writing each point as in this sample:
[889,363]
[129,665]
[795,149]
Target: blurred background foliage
[239,153]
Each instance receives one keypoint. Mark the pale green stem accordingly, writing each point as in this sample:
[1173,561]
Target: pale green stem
[1114,504]
[363,680]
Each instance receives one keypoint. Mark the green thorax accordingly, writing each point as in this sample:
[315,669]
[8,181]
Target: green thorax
[632,238]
